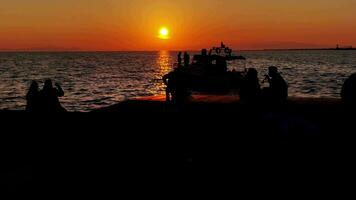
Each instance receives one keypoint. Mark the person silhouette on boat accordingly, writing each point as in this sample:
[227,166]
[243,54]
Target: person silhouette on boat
[33,98]
[179,59]
[177,90]
[348,91]
[186,59]
[250,89]
[50,97]
[277,92]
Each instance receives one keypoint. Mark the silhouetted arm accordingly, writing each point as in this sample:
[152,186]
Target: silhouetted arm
[164,78]
[60,90]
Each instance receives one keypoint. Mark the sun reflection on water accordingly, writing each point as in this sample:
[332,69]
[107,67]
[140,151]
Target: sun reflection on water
[99,79]
[165,63]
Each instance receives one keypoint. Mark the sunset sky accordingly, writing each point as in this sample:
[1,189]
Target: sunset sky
[192,24]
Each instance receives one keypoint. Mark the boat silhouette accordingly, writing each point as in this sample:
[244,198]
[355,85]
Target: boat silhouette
[208,72]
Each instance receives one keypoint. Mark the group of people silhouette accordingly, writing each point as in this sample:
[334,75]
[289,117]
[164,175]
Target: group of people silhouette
[249,88]
[251,91]
[176,82]
[45,100]
[277,92]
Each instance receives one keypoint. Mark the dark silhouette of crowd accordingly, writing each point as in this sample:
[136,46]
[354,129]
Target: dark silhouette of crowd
[46,100]
[251,92]
[250,89]
[277,92]
[177,90]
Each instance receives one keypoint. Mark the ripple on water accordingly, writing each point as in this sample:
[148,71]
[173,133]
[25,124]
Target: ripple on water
[94,80]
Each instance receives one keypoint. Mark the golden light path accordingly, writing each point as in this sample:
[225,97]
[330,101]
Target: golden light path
[165,63]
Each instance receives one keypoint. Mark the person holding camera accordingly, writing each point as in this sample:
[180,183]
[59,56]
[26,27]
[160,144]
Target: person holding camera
[49,96]
[277,92]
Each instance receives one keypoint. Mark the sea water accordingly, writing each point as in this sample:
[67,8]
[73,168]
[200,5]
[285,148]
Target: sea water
[93,80]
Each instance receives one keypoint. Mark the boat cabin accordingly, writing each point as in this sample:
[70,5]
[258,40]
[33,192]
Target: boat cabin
[211,63]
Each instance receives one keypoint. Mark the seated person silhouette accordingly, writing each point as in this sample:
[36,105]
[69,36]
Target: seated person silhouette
[250,89]
[277,92]
[348,92]
[33,98]
[177,89]
[50,97]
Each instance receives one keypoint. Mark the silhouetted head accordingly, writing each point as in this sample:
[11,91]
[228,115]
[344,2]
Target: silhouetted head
[204,52]
[48,84]
[34,85]
[272,71]
[252,73]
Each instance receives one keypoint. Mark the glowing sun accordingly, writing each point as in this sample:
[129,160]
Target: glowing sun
[163,33]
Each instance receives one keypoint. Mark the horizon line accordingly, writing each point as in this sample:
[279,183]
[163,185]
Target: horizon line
[174,50]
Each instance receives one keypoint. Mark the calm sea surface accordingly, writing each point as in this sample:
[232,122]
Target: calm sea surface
[94,80]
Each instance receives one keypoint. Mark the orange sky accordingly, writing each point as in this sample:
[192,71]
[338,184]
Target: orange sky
[133,24]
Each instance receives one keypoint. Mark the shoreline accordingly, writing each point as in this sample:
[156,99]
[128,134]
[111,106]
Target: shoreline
[207,100]
[147,103]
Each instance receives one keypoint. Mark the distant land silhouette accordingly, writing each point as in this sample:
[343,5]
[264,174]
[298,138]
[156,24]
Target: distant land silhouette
[271,46]
[338,47]
[310,49]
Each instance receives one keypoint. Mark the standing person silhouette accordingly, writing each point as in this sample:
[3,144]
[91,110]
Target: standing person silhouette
[169,81]
[186,59]
[50,97]
[179,59]
[33,98]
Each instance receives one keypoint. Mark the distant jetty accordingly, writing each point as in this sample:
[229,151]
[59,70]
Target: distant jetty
[344,48]
[337,48]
